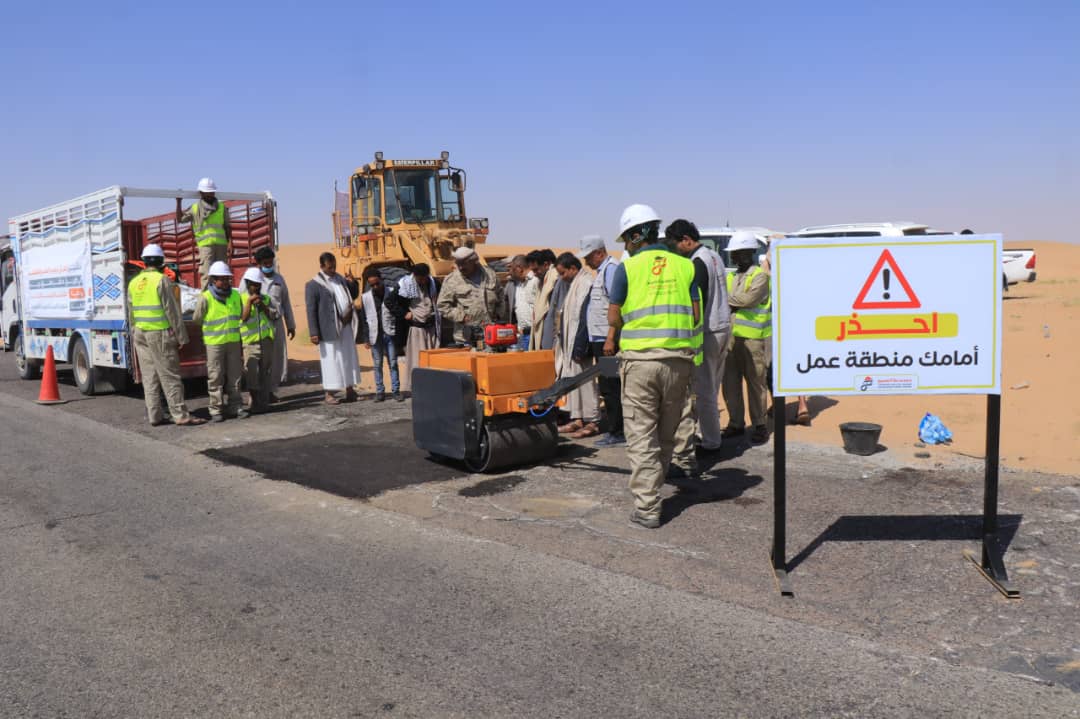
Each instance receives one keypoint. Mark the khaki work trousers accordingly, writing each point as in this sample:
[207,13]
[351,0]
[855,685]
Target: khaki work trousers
[654,399]
[258,366]
[224,367]
[279,367]
[159,363]
[747,360]
[207,256]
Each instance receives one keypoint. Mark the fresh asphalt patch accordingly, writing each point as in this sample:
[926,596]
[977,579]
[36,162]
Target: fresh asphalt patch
[359,462]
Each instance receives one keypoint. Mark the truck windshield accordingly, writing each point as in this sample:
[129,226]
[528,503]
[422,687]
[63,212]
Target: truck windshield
[411,195]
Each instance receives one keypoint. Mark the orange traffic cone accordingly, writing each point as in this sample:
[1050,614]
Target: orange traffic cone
[50,388]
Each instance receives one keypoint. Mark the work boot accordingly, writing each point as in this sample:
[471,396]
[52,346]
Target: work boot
[760,435]
[610,440]
[380,396]
[648,521]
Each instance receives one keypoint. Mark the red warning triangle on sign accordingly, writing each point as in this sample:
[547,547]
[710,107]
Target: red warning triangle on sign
[881,283]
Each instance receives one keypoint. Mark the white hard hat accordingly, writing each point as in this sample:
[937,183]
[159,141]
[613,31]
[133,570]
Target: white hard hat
[207,185]
[635,215]
[742,240]
[252,274]
[220,269]
[152,251]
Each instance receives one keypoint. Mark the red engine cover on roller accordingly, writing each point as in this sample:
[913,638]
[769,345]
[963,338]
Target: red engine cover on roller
[500,335]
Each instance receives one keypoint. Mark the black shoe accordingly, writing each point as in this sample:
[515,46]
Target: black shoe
[399,397]
[380,396]
[610,440]
[677,472]
[729,432]
[644,521]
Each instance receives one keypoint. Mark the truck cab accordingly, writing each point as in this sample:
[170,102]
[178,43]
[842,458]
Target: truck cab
[8,294]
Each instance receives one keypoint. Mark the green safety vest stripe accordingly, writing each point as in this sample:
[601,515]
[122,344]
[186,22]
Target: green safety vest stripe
[658,310]
[147,312]
[212,229]
[659,333]
[221,320]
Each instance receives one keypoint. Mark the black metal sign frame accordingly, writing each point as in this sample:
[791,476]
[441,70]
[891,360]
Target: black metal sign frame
[990,565]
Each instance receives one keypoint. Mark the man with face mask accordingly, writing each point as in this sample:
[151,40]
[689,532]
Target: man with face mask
[751,340]
[655,310]
[274,285]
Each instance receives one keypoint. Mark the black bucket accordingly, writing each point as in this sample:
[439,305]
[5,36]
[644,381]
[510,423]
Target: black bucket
[860,437]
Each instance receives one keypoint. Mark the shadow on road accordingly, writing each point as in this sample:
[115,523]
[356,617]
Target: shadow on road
[908,528]
[721,486]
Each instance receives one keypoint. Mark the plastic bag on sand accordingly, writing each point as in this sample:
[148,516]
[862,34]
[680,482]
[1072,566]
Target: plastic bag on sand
[933,431]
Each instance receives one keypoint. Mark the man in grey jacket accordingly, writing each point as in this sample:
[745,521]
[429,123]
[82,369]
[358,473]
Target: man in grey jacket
[332,325]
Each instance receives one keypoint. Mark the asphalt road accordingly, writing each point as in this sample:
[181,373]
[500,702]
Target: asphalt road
[139,579]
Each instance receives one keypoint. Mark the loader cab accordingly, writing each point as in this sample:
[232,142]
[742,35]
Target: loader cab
[389,195]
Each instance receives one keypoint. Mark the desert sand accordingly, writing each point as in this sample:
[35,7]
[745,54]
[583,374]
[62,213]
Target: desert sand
[1040,367]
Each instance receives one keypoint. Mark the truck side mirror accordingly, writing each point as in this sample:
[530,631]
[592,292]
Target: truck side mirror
[457,181]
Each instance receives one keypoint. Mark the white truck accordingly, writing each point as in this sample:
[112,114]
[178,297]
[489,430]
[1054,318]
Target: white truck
[64,272]
[1016,265]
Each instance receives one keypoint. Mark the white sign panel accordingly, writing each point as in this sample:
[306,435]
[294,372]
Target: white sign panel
[57,275]
[887,315]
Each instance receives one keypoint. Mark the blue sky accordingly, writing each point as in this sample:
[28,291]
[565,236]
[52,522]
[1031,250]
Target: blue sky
[959,114]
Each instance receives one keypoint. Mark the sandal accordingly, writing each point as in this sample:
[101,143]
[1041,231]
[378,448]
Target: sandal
[332,400]
[191,422]
[571,427]
[802,418]
[589,430]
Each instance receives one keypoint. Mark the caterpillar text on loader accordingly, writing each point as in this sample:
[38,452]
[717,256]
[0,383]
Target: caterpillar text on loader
[491,408]
[398,213]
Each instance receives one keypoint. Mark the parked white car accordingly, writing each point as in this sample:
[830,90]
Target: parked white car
[1018,265]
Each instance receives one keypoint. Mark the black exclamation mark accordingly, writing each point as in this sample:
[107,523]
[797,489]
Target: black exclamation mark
[885,278]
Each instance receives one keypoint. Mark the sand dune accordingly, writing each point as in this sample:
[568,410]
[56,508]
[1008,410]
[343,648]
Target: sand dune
[1040,418]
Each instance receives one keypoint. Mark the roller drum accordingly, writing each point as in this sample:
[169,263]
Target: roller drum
[506,441]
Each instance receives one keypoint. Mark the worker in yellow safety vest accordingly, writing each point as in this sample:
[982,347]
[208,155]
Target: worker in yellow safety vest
[209,220]
[750,351]
[219,309]
[257,321]
[655,311]
[159,333]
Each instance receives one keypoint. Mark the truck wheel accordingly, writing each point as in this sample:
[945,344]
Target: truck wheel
[27,368]
[81,367]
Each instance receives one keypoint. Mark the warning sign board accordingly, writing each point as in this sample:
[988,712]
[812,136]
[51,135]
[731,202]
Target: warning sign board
[887,315]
